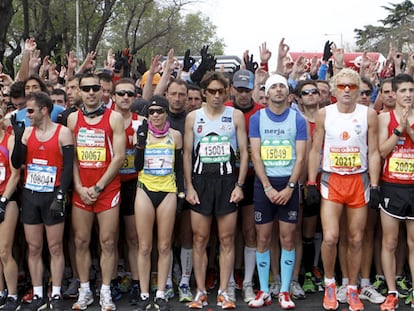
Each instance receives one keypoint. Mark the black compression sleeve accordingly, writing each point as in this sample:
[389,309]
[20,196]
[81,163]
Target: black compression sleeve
[19,154]
[67,174]
[139,159]
[178,168]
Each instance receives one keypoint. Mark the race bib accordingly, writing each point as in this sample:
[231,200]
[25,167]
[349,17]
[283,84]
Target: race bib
[91,149]
[128,166]
[276,152]
[214,149]
[158,161]
[40,178]
[2,174]
[402,168]
[345,159]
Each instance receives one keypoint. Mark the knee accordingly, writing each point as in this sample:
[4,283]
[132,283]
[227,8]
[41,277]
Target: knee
[263,242]
[145,250]
[108,244]
[390,245]
[330,239]
[164,248]
[249,235]
[355,240]
[199,241]
[81,242]
[34,250]
[287,241]
[56,249]
[227,242]
[5,253]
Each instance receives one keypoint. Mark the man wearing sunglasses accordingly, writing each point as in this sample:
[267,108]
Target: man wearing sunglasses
[212,135]
[123,97]
[348,135]
[242,91]
[100,148]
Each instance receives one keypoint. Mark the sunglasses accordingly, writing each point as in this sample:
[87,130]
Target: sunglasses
[342,87]
[122,93]
[310,91]
[221,91]
[158,111]
[30,110]
[366,93]
[88,88]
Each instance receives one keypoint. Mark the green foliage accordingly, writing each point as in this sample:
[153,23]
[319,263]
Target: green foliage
[147,27]
[397,27]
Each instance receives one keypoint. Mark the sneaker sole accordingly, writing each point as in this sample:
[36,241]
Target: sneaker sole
[363,297]
[331,308]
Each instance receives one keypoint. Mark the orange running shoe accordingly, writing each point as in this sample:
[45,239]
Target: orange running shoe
[391,303]
[354,302]
[199,301]
[329,299]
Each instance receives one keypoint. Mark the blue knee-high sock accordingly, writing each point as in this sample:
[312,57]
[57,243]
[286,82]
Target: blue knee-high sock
[287,262]
[263,268]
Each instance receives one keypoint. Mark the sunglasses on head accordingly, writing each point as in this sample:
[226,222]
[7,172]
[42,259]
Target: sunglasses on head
[350,86]
[310,91]
[151,111]
[88,88]
[221,91]
[366,93]
[122,93]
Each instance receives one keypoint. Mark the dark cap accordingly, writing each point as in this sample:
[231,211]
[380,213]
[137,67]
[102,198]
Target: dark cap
[243,78]
[158,100]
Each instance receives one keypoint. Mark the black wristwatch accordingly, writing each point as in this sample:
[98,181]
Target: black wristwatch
[291,185]
[4,200]
[59,195]
[98,189]
[397,132]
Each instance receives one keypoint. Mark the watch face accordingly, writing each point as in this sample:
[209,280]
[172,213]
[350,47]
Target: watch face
[59,197]
[292,185]
[3,199]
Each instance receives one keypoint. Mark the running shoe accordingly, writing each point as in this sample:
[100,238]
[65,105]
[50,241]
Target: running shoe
[134,293]
[225,301]
[274,289]
[391,303]
[105,301]
[143,304]
[409,297]
[261,299]
[231,291]
[341,294]
[199,301]
[285,302]
[403,286]
[72,290]
[369,293]
[169,292]
[11,304]
[308,283]
[184,293]
[36,304]
[248,292]
[85,299]
[27,298]
[330,301]
[161,304]
[56,303]
[317,274]
[380,285]
[354,302]
[296,290]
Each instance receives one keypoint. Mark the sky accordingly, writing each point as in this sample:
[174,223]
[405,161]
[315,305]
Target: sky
[305,25]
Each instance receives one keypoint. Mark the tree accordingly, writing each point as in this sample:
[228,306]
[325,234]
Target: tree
[396,27]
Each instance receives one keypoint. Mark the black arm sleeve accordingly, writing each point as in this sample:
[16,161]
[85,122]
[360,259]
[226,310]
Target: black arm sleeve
[178,168]
[139,159]
[18,157]
[67,174]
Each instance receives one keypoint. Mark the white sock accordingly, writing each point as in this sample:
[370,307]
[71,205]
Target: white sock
[186,257]
[345,281]
[38,290]
[160,294]
[85,286]
[55,291]
[365,282]
[249,263]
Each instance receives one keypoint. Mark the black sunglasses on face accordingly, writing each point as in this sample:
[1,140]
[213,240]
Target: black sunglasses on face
[366,93]
[88,88]
[158,111]
[310,91]
[122,93]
